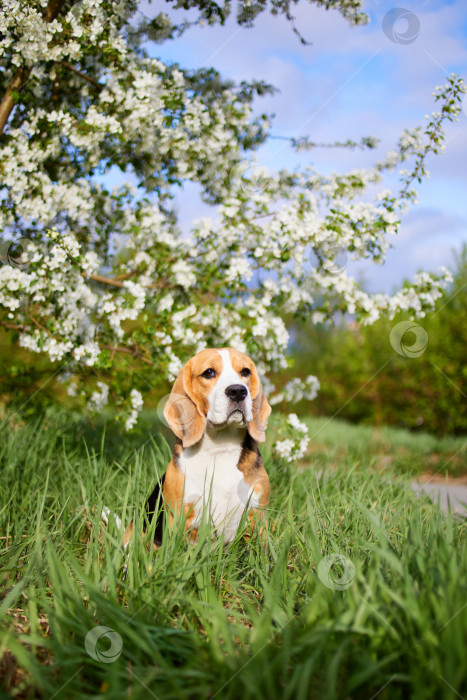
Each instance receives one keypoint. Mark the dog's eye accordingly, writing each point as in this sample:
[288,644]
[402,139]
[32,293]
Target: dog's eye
[245,372]
[209,373]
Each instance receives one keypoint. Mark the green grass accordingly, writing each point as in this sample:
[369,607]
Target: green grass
[232,621]
[334,441]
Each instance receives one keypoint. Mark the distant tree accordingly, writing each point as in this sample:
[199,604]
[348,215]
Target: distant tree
[418,381]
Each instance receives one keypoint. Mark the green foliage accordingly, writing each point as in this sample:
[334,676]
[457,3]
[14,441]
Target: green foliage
[363,379]
[105,284]
[211,621]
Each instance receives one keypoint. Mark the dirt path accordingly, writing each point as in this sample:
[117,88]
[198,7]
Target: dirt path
[455,494]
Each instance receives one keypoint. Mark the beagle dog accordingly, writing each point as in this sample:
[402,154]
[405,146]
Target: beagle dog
[218,411]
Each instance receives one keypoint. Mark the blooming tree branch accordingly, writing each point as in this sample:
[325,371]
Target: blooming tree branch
[105,274]
[21,74]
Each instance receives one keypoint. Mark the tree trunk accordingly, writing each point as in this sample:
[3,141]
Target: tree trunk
[21,75]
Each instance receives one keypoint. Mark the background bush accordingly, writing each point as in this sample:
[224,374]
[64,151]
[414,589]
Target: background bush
[364,379]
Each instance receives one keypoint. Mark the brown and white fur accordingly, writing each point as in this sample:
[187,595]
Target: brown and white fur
[219,413]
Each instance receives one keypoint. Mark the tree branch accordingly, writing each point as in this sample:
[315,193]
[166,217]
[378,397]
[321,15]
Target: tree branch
[85,77]
[133,353]
[104,280]
[53,9]
[36,323]
[8,101]
[11,326]
[119,282]
[114,348]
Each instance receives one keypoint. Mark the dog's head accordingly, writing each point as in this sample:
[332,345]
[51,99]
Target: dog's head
[221,387]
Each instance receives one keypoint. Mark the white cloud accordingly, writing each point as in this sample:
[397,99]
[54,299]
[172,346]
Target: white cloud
[351,82]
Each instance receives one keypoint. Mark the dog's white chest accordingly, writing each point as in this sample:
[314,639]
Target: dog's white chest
[215,485]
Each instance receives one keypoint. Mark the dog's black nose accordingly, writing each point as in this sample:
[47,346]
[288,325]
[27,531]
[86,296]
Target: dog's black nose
[236,392]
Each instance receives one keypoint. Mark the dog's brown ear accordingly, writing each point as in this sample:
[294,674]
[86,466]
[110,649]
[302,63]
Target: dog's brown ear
[181,412]
[261,413]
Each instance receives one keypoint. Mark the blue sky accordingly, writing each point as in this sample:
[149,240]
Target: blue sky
[351,82]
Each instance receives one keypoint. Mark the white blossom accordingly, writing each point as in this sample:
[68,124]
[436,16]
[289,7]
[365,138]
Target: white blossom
[108,274]
[99,398]
[136,403]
